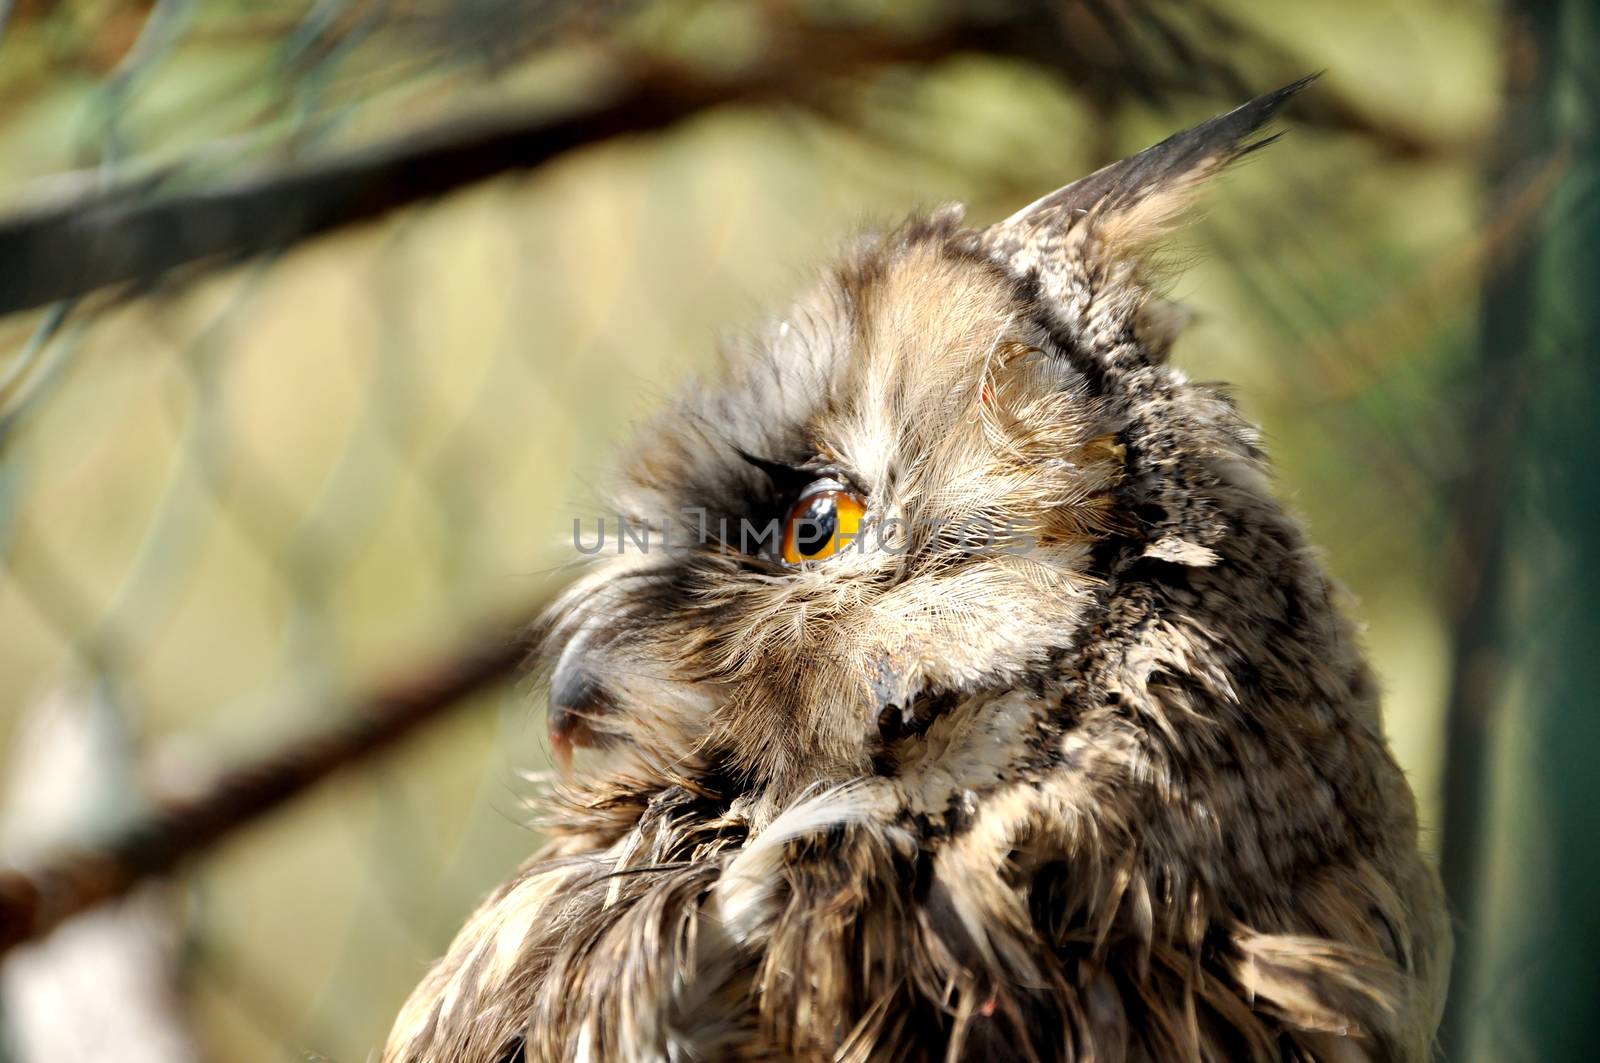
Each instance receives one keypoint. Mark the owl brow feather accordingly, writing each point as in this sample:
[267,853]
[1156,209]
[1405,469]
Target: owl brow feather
[787,478]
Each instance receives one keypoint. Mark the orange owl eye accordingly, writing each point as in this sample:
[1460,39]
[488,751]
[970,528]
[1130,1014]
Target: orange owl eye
[824,520]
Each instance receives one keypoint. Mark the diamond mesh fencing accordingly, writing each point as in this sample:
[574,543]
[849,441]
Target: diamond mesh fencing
[323,323]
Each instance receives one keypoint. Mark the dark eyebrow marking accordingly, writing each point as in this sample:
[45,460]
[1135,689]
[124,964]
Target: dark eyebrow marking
[787,479]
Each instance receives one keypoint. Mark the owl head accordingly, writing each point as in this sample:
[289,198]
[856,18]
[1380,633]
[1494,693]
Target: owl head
[892,498]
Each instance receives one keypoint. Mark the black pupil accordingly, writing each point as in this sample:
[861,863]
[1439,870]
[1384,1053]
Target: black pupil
[818,521]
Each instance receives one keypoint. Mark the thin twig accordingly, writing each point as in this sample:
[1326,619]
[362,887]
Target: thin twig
[34,900]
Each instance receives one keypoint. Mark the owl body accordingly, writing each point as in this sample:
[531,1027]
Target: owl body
[1064,752]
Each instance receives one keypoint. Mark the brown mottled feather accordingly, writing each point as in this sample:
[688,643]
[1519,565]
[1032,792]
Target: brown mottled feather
[1121,796]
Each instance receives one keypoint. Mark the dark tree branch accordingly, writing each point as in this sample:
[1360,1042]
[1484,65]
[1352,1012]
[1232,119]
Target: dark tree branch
[35,900]
[133,235]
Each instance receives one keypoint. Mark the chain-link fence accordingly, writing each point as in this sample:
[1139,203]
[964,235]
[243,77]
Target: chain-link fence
[324,320]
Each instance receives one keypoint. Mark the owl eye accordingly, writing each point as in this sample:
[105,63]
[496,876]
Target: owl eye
[825,519]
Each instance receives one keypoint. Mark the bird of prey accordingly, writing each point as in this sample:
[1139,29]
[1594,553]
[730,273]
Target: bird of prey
[964,693]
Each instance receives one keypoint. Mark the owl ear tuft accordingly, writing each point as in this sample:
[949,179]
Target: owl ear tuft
[1125,205]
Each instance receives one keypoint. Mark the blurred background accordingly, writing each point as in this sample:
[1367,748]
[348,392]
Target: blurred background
[319,323]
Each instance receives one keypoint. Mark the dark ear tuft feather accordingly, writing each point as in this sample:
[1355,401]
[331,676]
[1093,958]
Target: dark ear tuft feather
[1129,200]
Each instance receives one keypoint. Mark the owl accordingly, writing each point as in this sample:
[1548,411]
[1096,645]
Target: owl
[956,689]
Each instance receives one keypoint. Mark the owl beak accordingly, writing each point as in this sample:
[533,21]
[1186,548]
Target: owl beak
[577,701]
[569,730]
